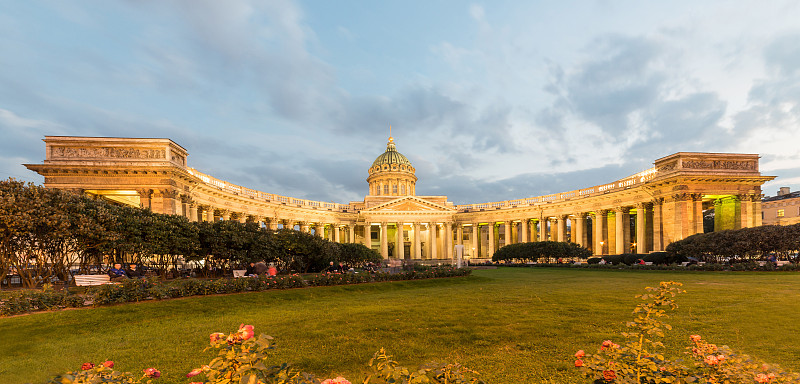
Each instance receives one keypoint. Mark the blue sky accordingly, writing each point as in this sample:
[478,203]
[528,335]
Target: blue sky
[490,101]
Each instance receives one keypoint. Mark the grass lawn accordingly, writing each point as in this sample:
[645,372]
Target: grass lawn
[513,325]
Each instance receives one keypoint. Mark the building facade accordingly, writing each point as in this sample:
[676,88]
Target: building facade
[782,209]
[639,213]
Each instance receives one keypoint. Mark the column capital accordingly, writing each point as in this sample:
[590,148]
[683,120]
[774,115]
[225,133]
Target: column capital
[622,209]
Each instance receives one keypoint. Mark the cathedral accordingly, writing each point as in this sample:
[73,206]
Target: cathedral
[638,213]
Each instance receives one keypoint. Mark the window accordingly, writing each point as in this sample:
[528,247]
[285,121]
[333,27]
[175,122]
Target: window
[780,213]
[386,189]
[402,189]
[394,189]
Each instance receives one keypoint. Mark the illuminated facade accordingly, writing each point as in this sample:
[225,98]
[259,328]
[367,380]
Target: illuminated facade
[639,213]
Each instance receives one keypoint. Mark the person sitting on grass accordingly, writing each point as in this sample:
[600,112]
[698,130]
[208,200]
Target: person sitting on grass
[133,273]
[117,273]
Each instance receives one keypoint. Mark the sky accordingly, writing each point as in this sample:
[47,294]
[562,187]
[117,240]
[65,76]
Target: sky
[489,100]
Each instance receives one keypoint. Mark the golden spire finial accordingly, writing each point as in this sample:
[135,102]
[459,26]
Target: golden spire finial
[391,139]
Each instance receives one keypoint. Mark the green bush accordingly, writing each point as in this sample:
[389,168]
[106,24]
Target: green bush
[541,251]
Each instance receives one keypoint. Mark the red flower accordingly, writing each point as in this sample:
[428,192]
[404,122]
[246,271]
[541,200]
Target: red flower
[194,372]
[152,372]
[609,375]
[695,338]
[579,363]
[108,364]
[580,354]
[607,344]
[87,366]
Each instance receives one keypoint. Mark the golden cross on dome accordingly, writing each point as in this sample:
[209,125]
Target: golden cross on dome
[390,133]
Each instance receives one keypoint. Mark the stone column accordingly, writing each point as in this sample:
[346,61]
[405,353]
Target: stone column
[599,232]
[304,227]
[622,228]
[490,250]
[475,240]
[225,214]
[562,227]
[579,226]
[432,243]
[384,240]
[337,233]
[641,228]
[367,235]
[543,229]
[144,198]
[319,230]
[194,214]
[658,225]
[508,239]
[448,240]
[351,238]
[459,234]
[697,217]
[417,241]
[400,243]
[523,231]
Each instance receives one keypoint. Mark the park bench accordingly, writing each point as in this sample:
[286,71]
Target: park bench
[239,273]
[87,280]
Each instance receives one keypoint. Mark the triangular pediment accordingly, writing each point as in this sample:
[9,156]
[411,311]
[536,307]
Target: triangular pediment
[409,204]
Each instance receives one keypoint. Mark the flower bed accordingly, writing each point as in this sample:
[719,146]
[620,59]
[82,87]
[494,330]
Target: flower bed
[241,357]
[153,289]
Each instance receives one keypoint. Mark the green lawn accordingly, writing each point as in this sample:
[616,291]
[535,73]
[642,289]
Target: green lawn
[513,325]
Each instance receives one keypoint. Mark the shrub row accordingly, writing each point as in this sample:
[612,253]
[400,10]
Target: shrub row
[540,251]
[153,289]
[747,266]
[756,243]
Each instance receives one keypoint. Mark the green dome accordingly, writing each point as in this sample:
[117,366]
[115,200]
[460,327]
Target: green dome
[391,156]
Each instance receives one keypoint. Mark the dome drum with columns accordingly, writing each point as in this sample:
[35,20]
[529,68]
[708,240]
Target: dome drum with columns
[391,174]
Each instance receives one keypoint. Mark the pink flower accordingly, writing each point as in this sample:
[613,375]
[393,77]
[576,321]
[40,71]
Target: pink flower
[762,378]
[87,366]
[338,380]
[152,372]
[194,372]
[580,354]
[579,363]
[609,375]
[695,338]
[246,332]
[216,336]
[711,360]
[108,364]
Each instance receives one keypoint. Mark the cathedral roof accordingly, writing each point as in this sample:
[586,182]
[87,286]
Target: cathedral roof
[391,156]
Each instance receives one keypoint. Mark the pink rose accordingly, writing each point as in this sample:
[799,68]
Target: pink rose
[87,366]
[711,360]
[580,354]
[246,332]
[108,364]
[194,372]
[152,372]
[579,363]
[216,336]
[695,338]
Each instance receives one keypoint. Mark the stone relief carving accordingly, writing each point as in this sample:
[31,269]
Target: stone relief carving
[108,152]
[668,167]
[720,164]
